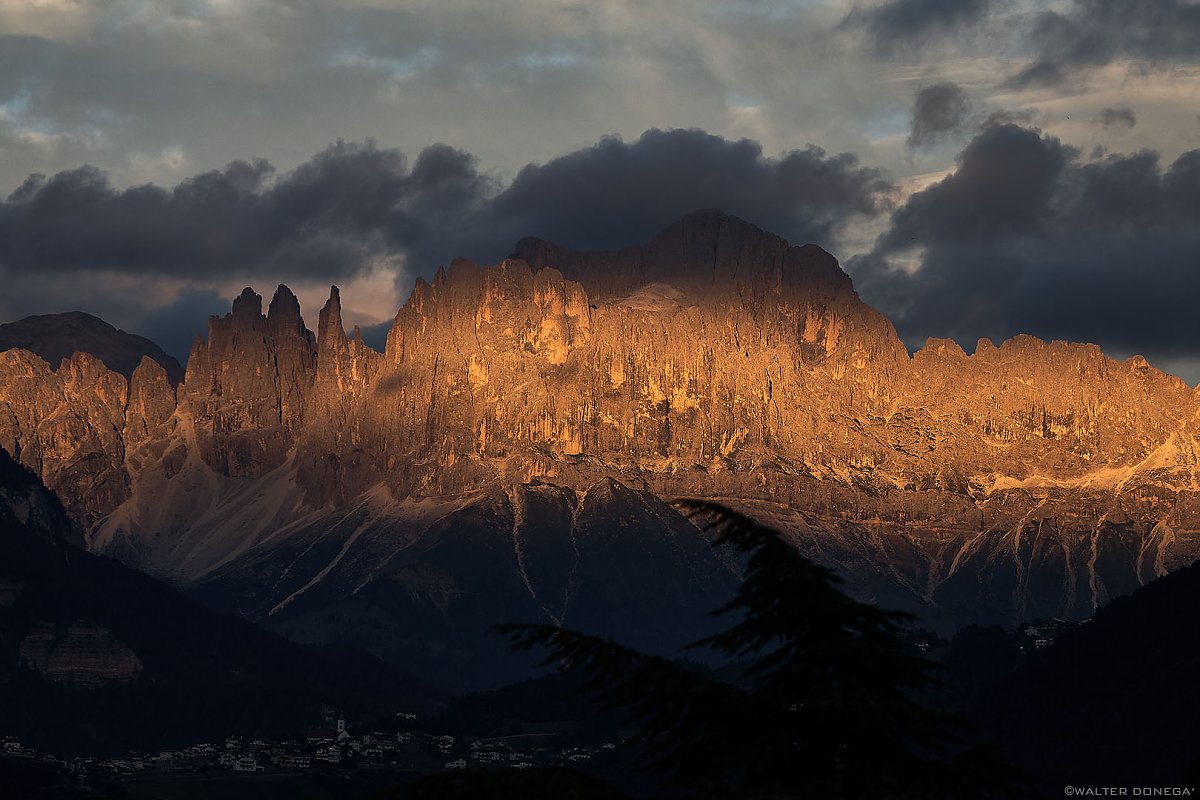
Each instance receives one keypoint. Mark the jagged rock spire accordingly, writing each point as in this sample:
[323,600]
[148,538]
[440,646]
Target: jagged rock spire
[247,304]
[284,311]
[331,336]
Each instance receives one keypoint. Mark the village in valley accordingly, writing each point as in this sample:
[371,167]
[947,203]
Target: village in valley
[405,745]
[336,747]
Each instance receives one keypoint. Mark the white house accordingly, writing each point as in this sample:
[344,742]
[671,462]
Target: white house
[247,764]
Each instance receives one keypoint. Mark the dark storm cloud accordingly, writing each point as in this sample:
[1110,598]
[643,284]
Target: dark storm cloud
[1026,237]
[897,24]
[619,193]
[330,217]
[352,204]
[938,110]
[1122,117]
[1094,33]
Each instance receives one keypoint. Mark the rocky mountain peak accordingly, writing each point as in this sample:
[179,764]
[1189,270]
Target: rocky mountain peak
[55,337]
[711,247]
[247,386]
[343,363]
[330,333]
[947,348]
[707,251]
[284,311]
[247,305]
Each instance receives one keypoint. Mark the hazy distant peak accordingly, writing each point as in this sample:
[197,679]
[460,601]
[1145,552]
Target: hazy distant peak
[704,249]
[58,336]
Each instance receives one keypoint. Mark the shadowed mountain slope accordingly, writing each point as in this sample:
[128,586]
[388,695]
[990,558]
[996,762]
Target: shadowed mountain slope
[98,658]
[1115,702]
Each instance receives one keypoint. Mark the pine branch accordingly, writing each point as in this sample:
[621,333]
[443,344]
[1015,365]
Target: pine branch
[679,711]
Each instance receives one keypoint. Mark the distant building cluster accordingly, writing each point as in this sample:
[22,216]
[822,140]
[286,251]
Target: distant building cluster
[333,746]
[1044,633]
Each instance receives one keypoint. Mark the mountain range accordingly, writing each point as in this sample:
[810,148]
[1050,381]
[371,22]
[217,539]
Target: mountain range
[513,452]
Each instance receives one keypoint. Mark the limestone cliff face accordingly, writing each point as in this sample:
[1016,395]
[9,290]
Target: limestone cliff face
[151,405]
[716,361]
[774,294]
[1054,412]
[246,388]
[340,453]
[715,347]
[67,425]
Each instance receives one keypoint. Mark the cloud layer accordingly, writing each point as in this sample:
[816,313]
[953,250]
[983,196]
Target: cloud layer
[900,24]
[618,193]
[1026,236]
[1093,33]
[350,206]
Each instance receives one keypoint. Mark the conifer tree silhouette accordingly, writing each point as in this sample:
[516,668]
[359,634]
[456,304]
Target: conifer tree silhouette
[825,707]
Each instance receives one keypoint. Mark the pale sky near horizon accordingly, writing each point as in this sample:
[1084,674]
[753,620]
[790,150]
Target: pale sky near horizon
[980,167]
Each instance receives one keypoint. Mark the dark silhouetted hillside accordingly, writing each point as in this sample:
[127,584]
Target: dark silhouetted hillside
[1117,701]
[96,657]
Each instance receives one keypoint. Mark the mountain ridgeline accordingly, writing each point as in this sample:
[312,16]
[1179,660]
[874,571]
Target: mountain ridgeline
[511,454]
[57,336]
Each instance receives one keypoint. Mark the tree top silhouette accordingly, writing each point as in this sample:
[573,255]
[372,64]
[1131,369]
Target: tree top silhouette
[825,704]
